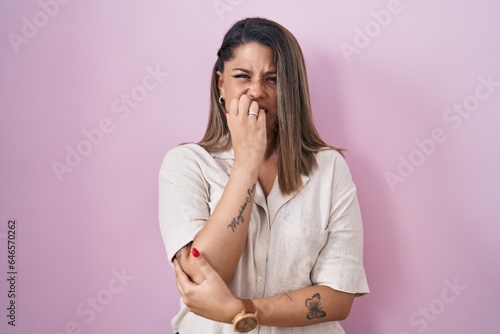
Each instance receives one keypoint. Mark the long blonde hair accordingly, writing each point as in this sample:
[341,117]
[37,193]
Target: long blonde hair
[297,140]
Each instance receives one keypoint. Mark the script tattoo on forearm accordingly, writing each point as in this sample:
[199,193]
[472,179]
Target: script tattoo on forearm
[240,219]
[314,306]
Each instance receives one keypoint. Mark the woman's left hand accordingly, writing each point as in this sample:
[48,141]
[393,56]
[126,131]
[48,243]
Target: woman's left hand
[210,299]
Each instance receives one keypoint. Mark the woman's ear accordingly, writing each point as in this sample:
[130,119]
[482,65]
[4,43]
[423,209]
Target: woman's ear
[220,83]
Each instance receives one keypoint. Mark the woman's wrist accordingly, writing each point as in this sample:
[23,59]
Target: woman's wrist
[233,308]
[248,169]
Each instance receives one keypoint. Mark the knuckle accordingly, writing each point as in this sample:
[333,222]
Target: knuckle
[188,304]
[189,293]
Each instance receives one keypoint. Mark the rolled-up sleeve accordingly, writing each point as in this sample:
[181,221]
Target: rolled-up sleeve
[183,199]
[340,262]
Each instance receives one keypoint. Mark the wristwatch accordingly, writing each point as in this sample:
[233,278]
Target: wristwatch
[247,319]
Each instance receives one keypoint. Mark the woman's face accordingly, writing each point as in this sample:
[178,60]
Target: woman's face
[251,71]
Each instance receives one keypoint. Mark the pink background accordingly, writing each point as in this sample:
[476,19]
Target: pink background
[438,227]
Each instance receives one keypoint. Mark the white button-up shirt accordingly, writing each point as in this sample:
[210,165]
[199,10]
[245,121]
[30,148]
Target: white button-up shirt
[311,237]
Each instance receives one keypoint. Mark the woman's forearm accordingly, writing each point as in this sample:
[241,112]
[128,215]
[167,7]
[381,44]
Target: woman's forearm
[306,306]
[224,235]
[213,300]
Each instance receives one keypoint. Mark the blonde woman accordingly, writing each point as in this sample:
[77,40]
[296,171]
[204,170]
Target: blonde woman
[261,218]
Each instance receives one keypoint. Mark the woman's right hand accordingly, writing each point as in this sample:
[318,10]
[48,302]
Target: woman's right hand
[248,132]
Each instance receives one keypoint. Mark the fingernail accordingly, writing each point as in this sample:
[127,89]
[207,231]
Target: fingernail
[195,252]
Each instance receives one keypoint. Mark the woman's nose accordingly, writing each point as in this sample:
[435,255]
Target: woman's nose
[256,90]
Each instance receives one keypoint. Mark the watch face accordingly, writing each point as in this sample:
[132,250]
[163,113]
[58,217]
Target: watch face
[246,323]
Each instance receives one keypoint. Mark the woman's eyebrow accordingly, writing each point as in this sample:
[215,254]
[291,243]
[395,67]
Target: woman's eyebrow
[242,70]
[248,71]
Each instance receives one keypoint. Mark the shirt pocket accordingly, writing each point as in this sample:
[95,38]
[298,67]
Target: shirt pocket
[294,256]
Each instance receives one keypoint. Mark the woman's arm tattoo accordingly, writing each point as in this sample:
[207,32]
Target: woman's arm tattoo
[314,306]
[240,219]
[178,255]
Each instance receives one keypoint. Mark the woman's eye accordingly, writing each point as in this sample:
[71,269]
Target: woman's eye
[272,79]
[241,76]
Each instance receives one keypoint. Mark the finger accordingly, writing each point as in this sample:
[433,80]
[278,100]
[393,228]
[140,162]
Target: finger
[205,268]
[181,277]
[177,269]
[253,111]
[244,105]
[177,283]
[233,108]
[179,288]
[262,118]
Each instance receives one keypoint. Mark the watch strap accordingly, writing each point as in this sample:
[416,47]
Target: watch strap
[248,306]
[247,319]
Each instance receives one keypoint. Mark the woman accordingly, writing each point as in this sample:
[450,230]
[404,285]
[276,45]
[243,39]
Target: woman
[261,217]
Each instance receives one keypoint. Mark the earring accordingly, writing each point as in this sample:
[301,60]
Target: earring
[221,100]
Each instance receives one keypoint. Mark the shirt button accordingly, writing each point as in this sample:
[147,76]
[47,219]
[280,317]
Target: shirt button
[263,241]
[259,278]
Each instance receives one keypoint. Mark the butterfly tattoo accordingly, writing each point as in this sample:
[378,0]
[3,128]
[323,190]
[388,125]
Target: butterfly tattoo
[314,306]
